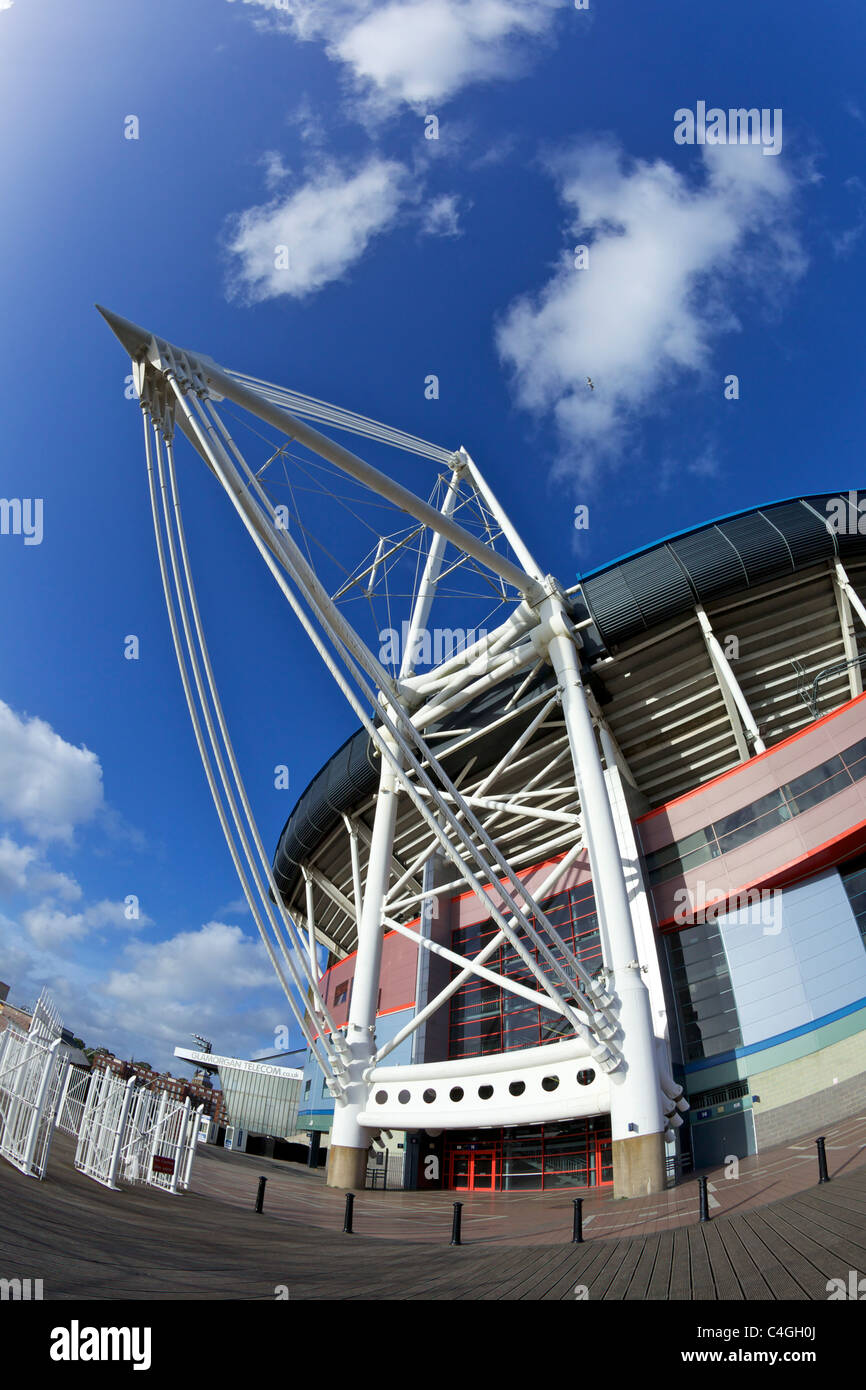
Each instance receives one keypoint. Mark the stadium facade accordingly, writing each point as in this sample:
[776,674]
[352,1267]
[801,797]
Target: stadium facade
[726,669]
[589,880]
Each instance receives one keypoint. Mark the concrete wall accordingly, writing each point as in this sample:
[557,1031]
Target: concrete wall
[813,1091]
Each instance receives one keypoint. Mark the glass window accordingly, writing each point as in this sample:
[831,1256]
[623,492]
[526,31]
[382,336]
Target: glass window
[759,816]
[688,853]
[705,997]
[484,1018]
[751,821]
[853,877]
[854,758]
[817,784]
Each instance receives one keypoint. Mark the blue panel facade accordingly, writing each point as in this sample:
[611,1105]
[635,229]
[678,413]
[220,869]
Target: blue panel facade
[804,960]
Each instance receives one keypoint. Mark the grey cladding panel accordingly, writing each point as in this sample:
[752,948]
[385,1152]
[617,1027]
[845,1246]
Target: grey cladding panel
[613,605]
[809,541]
[764,552]
[711,562]
[659,584]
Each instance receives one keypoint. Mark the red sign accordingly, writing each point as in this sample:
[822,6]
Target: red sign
[163,1165]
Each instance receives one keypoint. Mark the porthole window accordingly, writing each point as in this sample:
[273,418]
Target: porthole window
[456,1093]
[585,1078]
[517,1088]
[403,1097]
[549,1083]
[485,1092]
[381,1097]
[429,1096]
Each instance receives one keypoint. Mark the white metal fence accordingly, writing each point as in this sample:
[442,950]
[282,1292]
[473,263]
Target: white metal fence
[73,1099]
[31,1079]
[128,1132]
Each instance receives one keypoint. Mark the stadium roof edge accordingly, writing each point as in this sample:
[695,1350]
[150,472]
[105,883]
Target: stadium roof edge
[703,526]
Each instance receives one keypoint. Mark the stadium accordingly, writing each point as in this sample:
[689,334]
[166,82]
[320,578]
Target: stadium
[740,783]
[583,901]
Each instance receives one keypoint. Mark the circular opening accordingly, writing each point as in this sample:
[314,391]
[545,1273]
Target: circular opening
[485,1092]
[549,1083]
[517,1088]
[429,1096]
[381,1097]
[456,1093]
[403,1097]
[585,1078]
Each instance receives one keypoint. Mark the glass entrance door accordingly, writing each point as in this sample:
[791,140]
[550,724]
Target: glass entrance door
[473,1171]
[484,1170]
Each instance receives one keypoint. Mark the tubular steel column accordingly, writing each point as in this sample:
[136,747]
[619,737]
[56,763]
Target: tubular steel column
[637,1122]
[347,1158]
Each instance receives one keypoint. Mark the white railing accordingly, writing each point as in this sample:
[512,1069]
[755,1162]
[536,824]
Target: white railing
[31,1079]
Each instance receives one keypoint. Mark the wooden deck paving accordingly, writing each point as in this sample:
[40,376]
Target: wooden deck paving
[87,1243]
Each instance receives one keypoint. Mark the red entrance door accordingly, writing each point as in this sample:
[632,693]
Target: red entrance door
[603,1160]
[473,1170]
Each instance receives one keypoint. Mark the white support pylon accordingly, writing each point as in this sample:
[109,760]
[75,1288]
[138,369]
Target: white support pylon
[350,1140]
[637,1119]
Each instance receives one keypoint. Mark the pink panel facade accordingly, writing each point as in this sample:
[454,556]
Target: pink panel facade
[826,833]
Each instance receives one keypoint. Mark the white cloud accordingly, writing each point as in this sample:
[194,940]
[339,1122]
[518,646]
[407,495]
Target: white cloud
[299,243]
[158,992]
[231,909]
[190,981]
[22,871]
[46,784]
[50,927]
[665,260]
[6,4]
[442,217]
[15,860]
[418,51]
[276,171]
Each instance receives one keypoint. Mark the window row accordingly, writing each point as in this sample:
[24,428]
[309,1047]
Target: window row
[760,816]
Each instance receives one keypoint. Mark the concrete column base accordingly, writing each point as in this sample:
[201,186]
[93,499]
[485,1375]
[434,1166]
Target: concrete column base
[639,1165]
[347,1168]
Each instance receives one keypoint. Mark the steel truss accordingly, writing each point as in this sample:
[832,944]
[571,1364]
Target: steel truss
[549,790]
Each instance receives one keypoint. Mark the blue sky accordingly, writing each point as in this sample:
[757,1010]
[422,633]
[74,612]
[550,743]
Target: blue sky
[304,124]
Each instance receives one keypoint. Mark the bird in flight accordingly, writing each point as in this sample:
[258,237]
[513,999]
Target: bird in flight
[589,384]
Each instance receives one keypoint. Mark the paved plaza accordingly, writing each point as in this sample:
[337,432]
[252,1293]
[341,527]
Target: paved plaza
[774,1234]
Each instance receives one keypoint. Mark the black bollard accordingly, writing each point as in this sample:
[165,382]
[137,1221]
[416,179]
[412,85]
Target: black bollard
[347,1220]
[705,1206]
[260,1195]
[455,1224]
[823,1175]
[577,1225]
